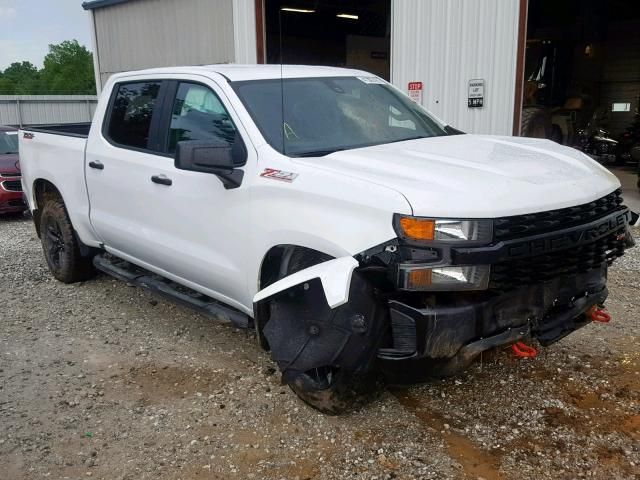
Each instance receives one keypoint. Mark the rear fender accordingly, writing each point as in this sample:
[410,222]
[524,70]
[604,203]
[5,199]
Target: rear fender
[335,277]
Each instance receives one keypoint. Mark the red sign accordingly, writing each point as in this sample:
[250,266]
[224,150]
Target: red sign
[415,91]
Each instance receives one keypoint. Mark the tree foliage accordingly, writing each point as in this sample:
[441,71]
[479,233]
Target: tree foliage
[68,69]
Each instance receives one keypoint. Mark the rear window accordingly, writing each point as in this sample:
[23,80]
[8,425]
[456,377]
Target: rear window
[133,108]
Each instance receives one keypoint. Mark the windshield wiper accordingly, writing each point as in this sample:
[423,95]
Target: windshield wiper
[319,153]
[417,137]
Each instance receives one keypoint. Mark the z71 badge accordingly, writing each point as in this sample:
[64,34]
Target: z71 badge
[279,175]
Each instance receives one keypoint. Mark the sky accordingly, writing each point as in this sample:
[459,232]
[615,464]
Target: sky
[27,27]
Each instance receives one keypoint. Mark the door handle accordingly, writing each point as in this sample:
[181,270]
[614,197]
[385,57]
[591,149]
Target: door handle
[96,164]
[161,179]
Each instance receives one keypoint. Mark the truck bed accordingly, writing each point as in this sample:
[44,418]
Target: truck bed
[68,129]
[56,154]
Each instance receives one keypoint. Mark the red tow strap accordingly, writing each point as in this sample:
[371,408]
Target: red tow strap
[597,314]
[522,350]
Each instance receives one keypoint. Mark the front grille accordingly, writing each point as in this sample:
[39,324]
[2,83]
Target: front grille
[516,273]
[10,175]
[12,185]
[519,226]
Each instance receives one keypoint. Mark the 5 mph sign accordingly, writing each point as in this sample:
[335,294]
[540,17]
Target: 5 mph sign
[476,93]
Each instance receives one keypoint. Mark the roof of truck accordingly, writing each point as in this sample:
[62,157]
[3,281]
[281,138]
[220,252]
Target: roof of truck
[236,72]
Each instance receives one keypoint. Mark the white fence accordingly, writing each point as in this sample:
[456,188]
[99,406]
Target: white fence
[22,110]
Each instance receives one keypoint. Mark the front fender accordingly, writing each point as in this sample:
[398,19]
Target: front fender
[335,277]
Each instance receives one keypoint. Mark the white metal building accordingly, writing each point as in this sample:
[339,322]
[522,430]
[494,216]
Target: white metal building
[464,60]
[22,110]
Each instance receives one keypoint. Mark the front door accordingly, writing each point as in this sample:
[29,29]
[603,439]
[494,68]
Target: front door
[182,224]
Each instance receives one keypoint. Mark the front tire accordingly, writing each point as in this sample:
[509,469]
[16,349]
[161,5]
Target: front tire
[332,391]
[328,389]
[60,246]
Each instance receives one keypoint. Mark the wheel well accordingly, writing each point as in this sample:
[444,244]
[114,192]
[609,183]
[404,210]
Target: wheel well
[42,190]
[274,264]
[278,257]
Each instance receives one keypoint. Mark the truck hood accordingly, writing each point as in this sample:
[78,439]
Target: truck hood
[477,176]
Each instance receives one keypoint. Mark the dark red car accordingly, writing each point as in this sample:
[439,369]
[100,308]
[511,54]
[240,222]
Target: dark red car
[11,200]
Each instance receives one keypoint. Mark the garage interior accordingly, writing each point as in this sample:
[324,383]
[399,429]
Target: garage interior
[582,68]
[345,33]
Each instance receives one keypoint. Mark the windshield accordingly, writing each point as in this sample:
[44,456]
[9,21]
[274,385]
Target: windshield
[328,114]
[8,142]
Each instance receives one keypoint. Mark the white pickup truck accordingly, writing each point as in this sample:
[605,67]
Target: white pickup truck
[359,235]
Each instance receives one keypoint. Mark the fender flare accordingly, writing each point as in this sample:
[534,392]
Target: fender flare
[335,276]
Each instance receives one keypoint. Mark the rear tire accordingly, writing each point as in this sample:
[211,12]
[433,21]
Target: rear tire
[536,123]
[60,246]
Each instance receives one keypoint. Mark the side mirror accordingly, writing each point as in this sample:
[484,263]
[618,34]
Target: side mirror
[213,156]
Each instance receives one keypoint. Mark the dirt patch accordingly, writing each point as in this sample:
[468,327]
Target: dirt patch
[475,462]
[155,385]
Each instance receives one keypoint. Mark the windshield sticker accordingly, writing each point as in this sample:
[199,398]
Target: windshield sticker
[11,133]
[371,80]
[279,175]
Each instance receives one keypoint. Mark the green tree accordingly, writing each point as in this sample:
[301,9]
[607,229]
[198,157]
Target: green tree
[20,78]
[6,86]
[68,69]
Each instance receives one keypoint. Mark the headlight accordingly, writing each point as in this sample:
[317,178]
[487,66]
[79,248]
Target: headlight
[436,230]
[420,277]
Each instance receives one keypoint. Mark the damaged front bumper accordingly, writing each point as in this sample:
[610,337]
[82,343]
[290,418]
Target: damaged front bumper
[540,286]
[440,340]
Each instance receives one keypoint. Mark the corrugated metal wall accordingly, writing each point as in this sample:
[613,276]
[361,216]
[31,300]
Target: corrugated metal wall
[158,33]
[244,31]
[446,43]
[46,109]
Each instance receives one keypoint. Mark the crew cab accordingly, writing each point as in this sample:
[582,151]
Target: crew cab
[357,233]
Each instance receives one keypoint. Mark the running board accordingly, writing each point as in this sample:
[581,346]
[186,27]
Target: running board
[127,272]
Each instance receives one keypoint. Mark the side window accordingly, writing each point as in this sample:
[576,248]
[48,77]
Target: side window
[198,114]
[131,113]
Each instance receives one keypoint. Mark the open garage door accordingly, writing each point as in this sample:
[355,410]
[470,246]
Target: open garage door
[343,33]
[582,73]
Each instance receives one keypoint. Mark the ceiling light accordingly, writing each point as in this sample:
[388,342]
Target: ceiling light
[297,10]
[348,15]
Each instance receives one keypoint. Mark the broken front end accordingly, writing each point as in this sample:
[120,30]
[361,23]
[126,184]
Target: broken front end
[428,302]
[472,285]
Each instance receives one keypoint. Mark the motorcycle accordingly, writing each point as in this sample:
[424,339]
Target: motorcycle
[597,142]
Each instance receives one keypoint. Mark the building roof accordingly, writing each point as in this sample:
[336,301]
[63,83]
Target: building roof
[90,5]
[237,72]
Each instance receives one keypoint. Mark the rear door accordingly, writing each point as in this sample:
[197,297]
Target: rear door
[182,224]
[119,161]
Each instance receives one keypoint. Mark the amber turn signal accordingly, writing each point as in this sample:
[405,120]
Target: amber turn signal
[419,279]
[417,228]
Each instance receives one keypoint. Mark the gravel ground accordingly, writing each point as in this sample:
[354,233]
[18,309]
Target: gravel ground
[100,379]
